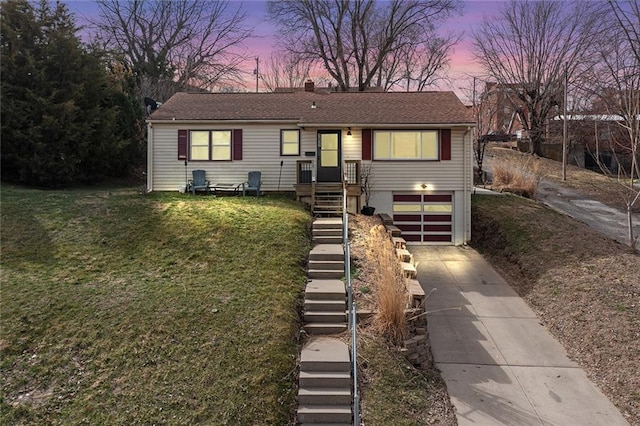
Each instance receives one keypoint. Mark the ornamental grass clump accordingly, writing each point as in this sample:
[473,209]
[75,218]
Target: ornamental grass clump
[517,175]
[391,297]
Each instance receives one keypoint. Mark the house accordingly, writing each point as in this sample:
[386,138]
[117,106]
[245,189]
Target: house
[498,115]
[595,142]
[418,147]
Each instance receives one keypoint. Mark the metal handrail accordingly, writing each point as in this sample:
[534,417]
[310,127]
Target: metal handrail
[351,305]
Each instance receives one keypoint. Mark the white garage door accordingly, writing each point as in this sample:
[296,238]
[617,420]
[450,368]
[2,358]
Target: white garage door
[424,218]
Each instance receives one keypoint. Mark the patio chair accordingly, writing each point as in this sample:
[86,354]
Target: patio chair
[199,182]
[253,184]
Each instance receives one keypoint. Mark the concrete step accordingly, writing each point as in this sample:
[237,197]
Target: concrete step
[327,232]
[324,274]
[327,252]
[324,396]
[324,413]
[321,329]
[328,198]
[325,317]
[327,240]
[325,290]
[327,424]
[325,379]
[327,212]
[325,305]
[333,202]
[327,223]
[335,265]
[325,354]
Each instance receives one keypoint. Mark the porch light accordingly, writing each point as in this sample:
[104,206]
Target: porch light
[423,186]
[313,105]
[349,131]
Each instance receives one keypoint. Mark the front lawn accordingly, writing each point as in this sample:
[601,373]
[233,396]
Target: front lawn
[118,308]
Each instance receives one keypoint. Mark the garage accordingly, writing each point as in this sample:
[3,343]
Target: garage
[424,218]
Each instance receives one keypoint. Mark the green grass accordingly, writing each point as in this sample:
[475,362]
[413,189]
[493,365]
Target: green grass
[118,308]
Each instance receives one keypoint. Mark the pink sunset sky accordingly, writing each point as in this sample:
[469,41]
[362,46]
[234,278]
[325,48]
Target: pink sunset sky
[462,66]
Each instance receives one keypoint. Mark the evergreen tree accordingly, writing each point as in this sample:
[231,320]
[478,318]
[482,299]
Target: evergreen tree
[65,119]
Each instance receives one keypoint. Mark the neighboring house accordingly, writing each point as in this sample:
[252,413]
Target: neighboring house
[497,113]
[602,139]
[419,147]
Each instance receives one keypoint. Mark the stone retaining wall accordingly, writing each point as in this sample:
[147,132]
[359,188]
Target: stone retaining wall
[416,347]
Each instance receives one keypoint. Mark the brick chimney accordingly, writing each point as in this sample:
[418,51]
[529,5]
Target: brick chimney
[309,86]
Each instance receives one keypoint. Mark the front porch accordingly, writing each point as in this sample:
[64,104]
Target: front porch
[325,198]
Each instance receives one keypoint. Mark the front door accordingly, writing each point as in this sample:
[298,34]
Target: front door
[329,156]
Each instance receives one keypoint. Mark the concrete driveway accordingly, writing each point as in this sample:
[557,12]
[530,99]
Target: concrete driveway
[501,366]
[606,220]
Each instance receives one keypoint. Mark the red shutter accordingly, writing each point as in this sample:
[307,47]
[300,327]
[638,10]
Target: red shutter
[237,144]
[183,144]
[445,144]
[366,144]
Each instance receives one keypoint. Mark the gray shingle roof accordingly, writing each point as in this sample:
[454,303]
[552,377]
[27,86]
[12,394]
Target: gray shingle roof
[351,108]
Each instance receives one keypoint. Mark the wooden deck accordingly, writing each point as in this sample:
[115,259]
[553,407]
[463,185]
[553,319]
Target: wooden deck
[310,192]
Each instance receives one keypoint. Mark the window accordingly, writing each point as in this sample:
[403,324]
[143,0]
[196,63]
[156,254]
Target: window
[210,145]
[405,145]
[221,145]
[289,142]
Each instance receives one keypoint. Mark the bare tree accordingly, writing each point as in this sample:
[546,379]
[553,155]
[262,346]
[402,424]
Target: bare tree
[187,42]
[615,81]
[284,69]
[416,66]
[485,112]
[352,39]
[527,49]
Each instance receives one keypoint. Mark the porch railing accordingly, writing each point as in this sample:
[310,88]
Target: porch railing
[352,172]
[304,171]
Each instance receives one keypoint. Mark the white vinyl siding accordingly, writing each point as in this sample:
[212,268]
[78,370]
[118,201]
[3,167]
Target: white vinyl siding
[261,152]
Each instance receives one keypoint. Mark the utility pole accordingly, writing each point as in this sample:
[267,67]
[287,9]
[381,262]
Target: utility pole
[256,71]
[564,127]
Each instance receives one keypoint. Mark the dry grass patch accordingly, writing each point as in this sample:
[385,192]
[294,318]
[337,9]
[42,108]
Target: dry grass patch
[593,185]
[396,393]
[518,174]
[390,319]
